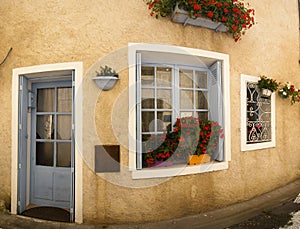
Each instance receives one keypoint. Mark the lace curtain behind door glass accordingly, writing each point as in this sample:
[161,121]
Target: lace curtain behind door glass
[258,116]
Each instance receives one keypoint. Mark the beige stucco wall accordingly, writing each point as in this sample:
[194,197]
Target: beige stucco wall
[44,32]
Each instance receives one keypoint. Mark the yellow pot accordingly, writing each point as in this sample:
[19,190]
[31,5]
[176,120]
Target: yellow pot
[201,159]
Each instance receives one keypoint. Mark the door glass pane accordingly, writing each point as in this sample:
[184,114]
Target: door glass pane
[64,127]
[201,100]
[148,121]
[201,79]
[64,99]
[148,98]
[186,78]
[63,153]
[164,99]
[44,127]
[44,153]
[186,99]
[164,77]
[45,100]
[147,76]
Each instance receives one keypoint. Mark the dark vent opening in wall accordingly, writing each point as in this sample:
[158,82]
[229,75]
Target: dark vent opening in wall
[107,158]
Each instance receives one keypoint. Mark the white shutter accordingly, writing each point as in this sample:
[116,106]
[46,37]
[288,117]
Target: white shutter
[216,102]
[138,112]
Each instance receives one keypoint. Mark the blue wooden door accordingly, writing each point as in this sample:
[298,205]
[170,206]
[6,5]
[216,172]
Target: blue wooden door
[52,145]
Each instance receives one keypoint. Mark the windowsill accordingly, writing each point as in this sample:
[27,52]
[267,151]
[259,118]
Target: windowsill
[178,170]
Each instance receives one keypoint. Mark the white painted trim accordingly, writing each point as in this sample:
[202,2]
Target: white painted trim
[263,145]
[133,48]
[78,68]
[178,170]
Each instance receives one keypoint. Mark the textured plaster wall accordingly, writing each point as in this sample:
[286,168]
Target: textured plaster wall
[52,31]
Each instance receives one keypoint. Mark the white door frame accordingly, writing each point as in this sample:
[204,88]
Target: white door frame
[44,71]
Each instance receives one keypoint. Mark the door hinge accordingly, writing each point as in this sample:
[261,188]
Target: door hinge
[20,165]
[71,210]
[20,126]
[19,203]
[73,83]
[21,87]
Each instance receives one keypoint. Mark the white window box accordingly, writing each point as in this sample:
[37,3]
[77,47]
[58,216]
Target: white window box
[183,17]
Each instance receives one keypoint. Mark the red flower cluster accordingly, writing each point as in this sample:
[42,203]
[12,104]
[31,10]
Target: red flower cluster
[233,13]
[190,136]
[289,90]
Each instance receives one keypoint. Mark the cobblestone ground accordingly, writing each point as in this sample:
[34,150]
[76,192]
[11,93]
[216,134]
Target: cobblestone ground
[285,216]
[294,223]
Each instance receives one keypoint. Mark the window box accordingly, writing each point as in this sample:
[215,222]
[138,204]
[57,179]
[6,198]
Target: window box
[183,17]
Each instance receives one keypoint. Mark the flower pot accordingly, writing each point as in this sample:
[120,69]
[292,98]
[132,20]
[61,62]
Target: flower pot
[266,93]
[105,82]
[201,159]
[183,17]
[283,94]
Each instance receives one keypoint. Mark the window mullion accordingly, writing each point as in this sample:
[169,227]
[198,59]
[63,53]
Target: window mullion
[176,100]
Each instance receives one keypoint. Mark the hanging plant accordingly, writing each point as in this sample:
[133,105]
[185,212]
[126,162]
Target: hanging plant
[232,13]
[289,90]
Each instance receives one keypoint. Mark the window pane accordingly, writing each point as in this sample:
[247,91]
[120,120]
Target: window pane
[164,121]
[148,98]
[203,115]
[201,100]
[64,99]
[44,127]
[147,76]
[44,153]
[164,99]
[186,78]
[186,99]
[63,157]
[148,121]
[45,100]
[64,127]
[201,79]
[164,77]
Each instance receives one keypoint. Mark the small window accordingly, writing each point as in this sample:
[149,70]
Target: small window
[257,116]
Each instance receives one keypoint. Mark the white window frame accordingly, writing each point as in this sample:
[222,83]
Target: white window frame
[260,145]
[159,52]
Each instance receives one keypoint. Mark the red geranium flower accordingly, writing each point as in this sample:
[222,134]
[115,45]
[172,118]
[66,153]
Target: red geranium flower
[210,14]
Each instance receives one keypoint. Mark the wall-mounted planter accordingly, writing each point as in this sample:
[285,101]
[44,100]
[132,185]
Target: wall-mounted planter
[183,17]
[266,93]
[105,83]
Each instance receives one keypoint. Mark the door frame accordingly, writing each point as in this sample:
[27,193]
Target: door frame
[42,72]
